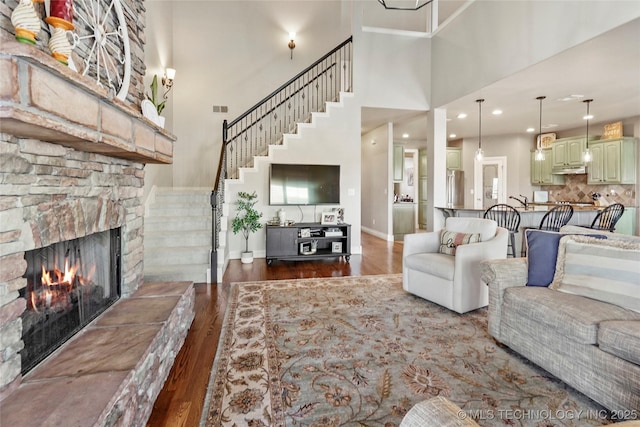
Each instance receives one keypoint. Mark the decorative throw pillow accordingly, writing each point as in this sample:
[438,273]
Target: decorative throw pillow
[450,240]
[542,252]
[605,270]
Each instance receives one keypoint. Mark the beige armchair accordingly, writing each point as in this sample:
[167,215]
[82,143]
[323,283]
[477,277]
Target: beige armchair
[452,281]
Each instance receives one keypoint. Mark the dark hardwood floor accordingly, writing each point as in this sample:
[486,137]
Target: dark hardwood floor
[180,401]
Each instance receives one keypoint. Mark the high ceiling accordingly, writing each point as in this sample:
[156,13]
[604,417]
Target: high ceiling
[605,69]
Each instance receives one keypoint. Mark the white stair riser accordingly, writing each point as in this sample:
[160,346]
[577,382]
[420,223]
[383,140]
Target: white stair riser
[160,224]
[175,256]
[169,240]
[196,275]
[178,210]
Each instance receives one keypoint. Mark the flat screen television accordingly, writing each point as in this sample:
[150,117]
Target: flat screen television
[296,184]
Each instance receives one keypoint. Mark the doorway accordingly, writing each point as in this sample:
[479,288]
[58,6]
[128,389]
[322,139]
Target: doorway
[489,184]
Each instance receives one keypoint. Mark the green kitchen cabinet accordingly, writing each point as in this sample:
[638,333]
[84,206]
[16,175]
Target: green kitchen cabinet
[454,158]
[627,222]
[423,179]
[541,170]
[398,163]
[568,152]
[613,161]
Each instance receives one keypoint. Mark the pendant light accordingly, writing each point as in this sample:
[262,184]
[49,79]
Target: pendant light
[479,152]
[539,153]
[586,156]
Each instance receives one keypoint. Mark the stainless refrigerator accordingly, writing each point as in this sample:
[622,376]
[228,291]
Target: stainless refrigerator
[455,188]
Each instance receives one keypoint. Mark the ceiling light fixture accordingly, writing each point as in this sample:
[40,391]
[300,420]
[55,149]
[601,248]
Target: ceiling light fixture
[496,112]
[452,135]
[462,116]
[586,156]
[405,135]
[394,5]
[479,152]
[539,153]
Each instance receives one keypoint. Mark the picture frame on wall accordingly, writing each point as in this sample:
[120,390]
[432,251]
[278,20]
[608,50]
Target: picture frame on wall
[329,218]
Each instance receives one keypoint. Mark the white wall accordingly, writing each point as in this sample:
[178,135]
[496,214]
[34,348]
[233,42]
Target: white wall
[392,70]
[491,40]
[234,53]
[516,148]
[332,140]
[377,181]
[158,55]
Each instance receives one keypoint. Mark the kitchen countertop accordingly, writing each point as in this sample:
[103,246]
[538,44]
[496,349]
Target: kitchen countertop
[538,207]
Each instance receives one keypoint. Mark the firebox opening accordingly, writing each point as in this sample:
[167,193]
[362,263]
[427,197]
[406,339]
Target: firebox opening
[68,285]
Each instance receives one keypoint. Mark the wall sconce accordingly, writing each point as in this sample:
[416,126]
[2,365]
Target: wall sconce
[167,80]
[292,43]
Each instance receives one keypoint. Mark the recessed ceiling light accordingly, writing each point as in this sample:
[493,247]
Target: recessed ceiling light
[496,112]
[588,117]
[530,129]
[405,135]
[462,115]
[452,135]
[550,126]
[570,97]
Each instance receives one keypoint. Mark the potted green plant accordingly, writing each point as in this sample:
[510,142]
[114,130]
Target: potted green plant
[247,221]
[154,104]
[158,102]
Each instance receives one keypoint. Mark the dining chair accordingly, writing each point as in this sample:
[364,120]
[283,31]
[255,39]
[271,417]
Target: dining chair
[608,217]
[553,220]
[507,217]
[556,218]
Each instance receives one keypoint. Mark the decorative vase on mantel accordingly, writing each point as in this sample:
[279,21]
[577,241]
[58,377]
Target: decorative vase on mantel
[26,21]
[60,18]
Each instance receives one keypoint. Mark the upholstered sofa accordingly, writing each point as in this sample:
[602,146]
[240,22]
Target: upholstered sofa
[584,327]
[441,412]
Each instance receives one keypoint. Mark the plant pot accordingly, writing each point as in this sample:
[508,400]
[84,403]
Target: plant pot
[246,257]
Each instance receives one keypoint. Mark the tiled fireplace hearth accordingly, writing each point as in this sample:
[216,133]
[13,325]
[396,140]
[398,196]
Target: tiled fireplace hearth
[72,165]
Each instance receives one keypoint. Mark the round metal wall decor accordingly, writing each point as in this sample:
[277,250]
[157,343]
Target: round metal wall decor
[102,40]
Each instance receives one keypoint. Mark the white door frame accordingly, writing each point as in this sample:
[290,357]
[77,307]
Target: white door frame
[501,162]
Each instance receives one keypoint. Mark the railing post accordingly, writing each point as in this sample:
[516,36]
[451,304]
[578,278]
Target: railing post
[213,262]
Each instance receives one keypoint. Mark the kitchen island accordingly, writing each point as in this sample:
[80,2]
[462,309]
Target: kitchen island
[583,215]
[404,219]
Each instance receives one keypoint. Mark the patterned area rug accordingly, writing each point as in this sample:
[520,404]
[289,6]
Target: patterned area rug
[360,351]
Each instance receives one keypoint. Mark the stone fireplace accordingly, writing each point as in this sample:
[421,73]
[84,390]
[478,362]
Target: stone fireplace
[72,163]
[69,284]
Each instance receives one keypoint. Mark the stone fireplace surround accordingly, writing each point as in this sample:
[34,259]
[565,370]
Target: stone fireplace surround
[71,164]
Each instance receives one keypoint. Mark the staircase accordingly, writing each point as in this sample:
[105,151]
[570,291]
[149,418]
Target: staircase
[177,235]
[271,122]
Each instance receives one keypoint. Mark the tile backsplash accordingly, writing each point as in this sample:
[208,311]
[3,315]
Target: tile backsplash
[577,190]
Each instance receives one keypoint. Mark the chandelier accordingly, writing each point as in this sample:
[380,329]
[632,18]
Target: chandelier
[404,4]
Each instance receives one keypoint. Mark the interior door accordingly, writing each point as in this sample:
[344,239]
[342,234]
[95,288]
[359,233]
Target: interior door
[493,189]
[489,185]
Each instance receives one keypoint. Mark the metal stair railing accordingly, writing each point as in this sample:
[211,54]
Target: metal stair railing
[265,123]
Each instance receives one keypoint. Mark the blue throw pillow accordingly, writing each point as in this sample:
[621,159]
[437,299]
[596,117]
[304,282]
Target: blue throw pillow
[542,252]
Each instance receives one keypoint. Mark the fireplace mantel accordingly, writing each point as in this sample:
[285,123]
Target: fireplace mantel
[42,99]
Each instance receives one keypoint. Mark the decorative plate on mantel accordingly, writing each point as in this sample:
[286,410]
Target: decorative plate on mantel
[149,111]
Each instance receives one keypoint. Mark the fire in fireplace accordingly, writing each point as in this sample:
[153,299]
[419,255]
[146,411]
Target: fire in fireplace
[68,285]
